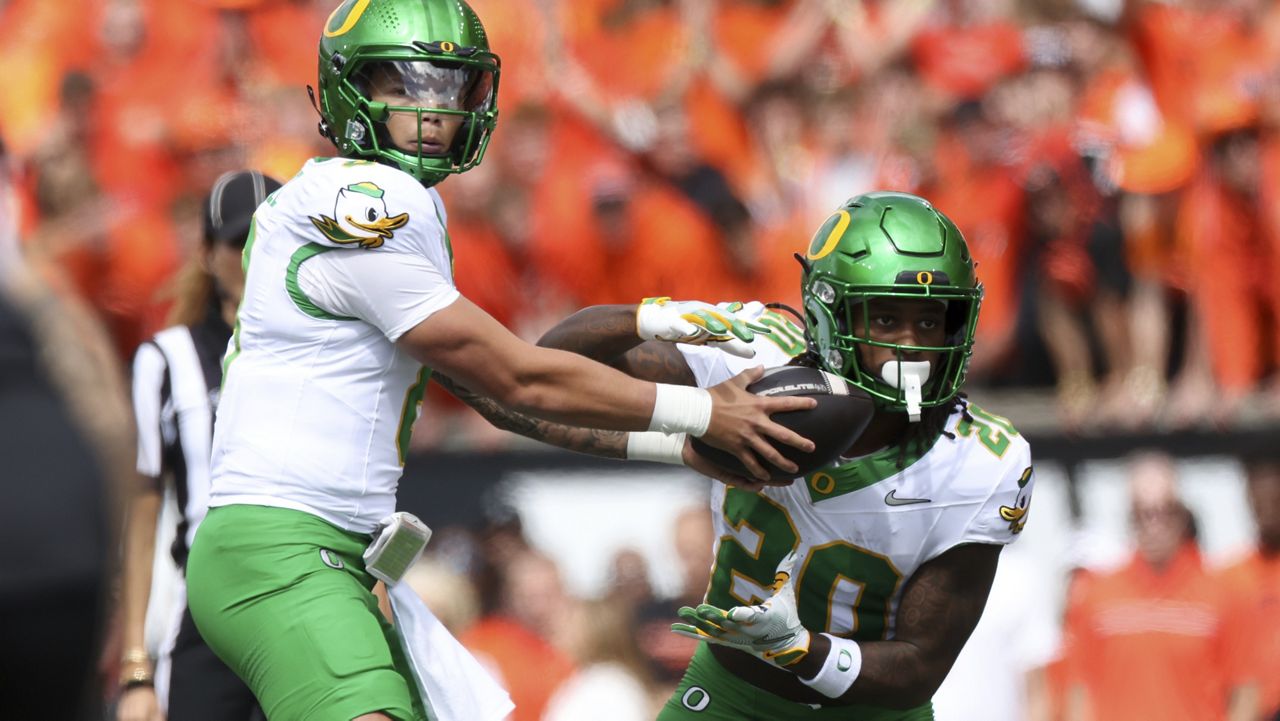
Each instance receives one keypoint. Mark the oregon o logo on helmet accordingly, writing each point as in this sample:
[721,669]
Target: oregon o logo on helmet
[842,220]
[447,46]
[924,277]
[696,698]
[354,8]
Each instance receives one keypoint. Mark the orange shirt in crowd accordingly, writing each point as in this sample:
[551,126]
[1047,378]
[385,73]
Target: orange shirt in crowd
[283,40]
[1252,590]
[1165,37]
[1225,232]
[670,249]
[986,203]
[1147,644]
[967,61]
[632,57]
[517,33]
[529,668]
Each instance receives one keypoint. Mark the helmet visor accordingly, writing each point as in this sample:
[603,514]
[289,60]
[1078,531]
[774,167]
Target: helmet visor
[428,84]
[421,108]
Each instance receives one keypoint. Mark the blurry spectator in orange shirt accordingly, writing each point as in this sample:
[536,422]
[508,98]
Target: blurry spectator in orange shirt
[1252,587]
[1145,642]
[975,178]
[514,640]
[677,163]
[967,47]
[1145,157]
[98,247]
[1233,239]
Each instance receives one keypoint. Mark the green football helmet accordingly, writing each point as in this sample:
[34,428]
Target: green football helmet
[892,245]
[435,55]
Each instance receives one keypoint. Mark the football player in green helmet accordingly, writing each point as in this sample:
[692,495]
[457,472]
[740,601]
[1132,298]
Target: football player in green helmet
[349,303]
[878,252]
[410,84]
[850,592]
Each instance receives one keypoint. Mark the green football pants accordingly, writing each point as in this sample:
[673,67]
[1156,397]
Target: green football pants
[283,598]
[709,692]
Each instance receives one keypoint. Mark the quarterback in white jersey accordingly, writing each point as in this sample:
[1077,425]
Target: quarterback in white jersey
[849,593]
[318,399]
[348,303]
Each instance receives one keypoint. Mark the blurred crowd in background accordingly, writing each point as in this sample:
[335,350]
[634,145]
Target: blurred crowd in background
[1114,165]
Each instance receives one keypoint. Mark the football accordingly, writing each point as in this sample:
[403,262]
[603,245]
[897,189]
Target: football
[842,414]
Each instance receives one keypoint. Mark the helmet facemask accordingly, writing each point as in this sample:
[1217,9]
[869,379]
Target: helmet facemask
[841,316]
[878,250]
[419,102]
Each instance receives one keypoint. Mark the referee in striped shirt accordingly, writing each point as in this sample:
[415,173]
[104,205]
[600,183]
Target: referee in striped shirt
[176,378]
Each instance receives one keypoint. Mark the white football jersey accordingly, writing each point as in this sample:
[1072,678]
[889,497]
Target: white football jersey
[317,400]
[863,527]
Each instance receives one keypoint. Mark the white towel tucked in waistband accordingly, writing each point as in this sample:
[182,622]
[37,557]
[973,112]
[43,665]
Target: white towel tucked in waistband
[453,684]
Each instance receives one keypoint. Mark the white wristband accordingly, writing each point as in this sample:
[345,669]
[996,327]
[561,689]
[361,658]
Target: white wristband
[840,670]
[654,446]
[681,409]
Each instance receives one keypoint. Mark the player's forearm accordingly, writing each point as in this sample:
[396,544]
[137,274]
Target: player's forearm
[567,388]
[940,607]
[601,332]
[591,441]
[139,549]
[894,674]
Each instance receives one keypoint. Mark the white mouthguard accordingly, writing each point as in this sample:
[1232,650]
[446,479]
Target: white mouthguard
[909,377]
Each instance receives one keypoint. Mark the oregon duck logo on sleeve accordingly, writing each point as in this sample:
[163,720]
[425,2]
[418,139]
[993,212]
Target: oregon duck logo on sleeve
[360,216]
[1016,514]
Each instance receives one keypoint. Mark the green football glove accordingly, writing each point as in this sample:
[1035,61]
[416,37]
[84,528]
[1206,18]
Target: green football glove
[729,326]
[771,630]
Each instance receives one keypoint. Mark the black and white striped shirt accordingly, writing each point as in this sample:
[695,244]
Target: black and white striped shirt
[176,376]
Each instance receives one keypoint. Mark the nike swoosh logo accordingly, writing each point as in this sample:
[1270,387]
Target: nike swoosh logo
[892,499]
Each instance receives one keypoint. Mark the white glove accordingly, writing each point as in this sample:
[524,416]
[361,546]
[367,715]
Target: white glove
[770,631]
[729,326]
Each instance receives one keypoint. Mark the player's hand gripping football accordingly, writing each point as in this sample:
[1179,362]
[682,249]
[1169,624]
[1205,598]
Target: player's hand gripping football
[770,631]
[740,423]
[693,460]
[729,326]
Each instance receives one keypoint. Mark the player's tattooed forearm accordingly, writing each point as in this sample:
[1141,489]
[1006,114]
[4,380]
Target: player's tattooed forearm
[658,362]
[602,332]
[592,441]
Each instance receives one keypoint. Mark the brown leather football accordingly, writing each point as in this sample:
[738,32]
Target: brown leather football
[842,414]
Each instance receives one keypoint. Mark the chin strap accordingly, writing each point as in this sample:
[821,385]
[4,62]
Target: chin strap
[909,377]
[322,126]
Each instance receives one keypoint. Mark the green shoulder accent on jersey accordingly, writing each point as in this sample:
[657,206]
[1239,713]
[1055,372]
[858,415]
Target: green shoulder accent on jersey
[233,351]
[992,431]
[856,475]
[300,299]
[783,332]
